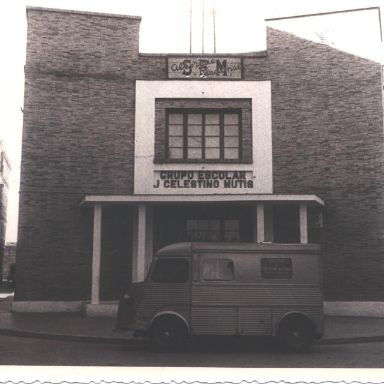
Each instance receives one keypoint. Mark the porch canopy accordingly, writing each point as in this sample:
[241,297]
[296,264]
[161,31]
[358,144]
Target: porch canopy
[199,198]
[142,251]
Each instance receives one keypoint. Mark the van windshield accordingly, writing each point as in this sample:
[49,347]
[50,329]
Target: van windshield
[170,270]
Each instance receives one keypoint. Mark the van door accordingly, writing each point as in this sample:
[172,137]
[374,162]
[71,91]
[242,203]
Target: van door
[167,288]
[227,297]
[213,308]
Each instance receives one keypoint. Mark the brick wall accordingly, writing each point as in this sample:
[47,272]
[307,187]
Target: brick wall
[327,122]
[78,138]
[9,258]
[3,219]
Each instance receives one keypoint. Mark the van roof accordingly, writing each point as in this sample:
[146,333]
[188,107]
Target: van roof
[182,249]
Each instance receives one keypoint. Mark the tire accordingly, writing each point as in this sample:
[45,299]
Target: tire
[296,333]
[169,333]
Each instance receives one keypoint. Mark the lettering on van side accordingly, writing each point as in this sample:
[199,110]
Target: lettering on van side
[276,268]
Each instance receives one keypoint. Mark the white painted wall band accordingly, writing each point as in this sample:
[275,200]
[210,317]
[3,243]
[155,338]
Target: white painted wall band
[260,94]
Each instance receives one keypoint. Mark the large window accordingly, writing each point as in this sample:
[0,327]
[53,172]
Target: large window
[209,135]
[213,230]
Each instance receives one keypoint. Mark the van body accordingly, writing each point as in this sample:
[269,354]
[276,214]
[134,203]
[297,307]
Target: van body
[228,289]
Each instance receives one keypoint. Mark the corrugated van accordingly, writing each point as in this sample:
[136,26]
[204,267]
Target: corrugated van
[245,289]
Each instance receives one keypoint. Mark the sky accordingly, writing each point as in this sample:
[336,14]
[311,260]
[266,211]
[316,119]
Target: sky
[165,28]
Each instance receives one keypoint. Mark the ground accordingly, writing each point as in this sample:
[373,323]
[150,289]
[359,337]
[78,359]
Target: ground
[33,351]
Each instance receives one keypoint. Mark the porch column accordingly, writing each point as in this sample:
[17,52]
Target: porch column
[260,222]
[96,254]
[149,238]
[140,244]
[303,224]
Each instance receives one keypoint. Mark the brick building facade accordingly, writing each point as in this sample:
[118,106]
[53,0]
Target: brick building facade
[9,263]
[111,169]
[4,180]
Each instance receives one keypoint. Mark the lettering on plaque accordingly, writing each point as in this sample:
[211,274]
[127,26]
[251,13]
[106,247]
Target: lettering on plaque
[205,68]
[203,179]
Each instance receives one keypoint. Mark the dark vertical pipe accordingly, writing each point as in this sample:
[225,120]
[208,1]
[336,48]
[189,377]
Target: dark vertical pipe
[190,26]
[214,27]
[203,25]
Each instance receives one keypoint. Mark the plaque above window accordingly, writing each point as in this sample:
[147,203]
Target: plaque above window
[194,68]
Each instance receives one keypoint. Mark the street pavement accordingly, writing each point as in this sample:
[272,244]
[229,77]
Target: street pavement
[75,326]
[29,351]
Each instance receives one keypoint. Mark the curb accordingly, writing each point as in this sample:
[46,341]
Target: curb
[79,338]
[133,342]
[353,340]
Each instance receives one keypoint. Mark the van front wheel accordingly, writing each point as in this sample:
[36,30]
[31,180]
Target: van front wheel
[296,333]
[169,333]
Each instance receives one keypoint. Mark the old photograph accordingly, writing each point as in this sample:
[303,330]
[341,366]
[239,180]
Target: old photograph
[192,183]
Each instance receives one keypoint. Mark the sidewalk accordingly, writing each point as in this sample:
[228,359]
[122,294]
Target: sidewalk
[74,326]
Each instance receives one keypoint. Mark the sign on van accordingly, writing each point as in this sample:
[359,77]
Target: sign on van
[276,268]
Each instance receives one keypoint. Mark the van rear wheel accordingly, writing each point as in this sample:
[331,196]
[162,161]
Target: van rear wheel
[296,333]
[169,333]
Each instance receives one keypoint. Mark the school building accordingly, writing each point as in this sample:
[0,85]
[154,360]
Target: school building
[125,152]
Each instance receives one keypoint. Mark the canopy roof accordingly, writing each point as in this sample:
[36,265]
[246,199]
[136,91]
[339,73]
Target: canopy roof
[199,198]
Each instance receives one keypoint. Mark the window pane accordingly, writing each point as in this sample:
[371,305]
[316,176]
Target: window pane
[231,153]
[170,271]
[212,118]
[212,142]
[203,225]
[191,225]
[231,118]
[231,225]
[194,130]
[194,153]
[232,130]
[214,225]
[213,236]
[195,118]
[176,153]
[231,142]
[231,236]
[218,269]
[175,130]
[176,142]
[212,153]
[212,130]
[194,142]
[175,118]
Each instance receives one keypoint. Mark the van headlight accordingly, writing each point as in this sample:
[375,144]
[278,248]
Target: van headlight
[126,296]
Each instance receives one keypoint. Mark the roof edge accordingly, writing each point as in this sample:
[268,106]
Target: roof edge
[323,13]
[254,54]
[86,13]
[197,198]
[377,8]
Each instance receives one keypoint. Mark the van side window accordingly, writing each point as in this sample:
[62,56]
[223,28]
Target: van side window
[170,271]
[276,268]
[218,269]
